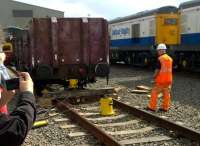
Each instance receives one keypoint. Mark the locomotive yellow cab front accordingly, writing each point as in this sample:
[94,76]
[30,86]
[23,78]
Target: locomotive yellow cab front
[167,29]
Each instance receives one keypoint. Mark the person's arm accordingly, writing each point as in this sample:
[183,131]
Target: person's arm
[157,69]
[14,127]
[6,96]
[156,73]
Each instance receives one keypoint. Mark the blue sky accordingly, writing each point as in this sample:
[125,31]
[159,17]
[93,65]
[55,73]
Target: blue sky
[108,9]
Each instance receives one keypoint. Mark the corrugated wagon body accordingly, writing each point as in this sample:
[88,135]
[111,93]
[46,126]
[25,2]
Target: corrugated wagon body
[69,48]
[41,42]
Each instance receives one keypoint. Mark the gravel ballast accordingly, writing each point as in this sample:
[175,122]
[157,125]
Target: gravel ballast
[185,106]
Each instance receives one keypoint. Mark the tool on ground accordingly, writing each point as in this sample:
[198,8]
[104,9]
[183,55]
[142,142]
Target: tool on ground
[38,124]
[143,87]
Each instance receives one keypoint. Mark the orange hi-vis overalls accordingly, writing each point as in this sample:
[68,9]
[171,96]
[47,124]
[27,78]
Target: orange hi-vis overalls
[163,82]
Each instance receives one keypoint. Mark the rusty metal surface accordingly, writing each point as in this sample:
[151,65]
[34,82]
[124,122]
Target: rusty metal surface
[55,51]
[98,41]
[23,53]
[65,41]
[94,130]
[69,41]
[180,130]
[20,52]
[41,47]
[64,48]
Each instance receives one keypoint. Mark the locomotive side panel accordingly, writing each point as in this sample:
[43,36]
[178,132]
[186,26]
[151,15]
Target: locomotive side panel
[190,28]
[188,52]
[120,34]
[136,45]
[140,31]
[147,31]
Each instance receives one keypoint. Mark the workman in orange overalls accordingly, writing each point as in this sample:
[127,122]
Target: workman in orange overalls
[162,80]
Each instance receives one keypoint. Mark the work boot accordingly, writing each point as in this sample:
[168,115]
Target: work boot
[149,109]
[162,110]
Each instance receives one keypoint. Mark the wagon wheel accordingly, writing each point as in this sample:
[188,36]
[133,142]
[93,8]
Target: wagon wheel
[44,72]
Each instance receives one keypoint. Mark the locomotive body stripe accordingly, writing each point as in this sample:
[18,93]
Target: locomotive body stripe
[133,41]
[186,39]
[190,39]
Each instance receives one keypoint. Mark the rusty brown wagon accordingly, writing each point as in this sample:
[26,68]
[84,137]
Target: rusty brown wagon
[60,49]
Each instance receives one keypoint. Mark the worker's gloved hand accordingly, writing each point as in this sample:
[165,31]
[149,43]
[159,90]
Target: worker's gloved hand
[26,83]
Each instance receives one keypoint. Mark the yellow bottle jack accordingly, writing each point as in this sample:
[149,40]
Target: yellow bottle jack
[73,83]
[106,106]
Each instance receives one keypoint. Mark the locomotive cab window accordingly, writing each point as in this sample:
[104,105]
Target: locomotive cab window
[170,21]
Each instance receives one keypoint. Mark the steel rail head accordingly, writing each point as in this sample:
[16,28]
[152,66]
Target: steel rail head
[179,129]
[94,130]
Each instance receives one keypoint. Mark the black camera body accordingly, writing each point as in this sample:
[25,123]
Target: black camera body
[12,84]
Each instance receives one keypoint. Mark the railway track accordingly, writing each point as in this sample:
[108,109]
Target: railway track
[184,109]
[128,126]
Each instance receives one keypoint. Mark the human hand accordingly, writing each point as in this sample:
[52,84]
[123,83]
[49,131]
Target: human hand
[6,96]
[8,93]
[26,83]
[2,57]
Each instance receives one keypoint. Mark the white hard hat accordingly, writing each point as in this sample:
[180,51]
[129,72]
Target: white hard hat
[161,47]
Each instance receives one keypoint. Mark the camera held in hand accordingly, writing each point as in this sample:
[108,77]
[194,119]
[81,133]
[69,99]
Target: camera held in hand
[8,79]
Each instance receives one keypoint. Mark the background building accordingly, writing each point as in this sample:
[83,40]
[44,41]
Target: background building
[17,14]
